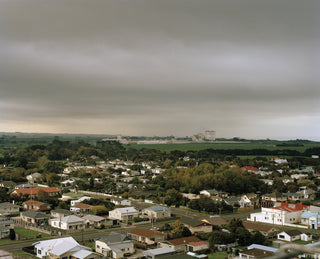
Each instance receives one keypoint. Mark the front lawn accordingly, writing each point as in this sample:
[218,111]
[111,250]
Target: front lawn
[218,255]
[301,242]
[27,233]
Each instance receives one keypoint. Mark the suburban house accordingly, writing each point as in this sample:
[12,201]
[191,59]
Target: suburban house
[120,201]
[250,200]
[5,226]
[146,236]
[34,178]
[186,244]
[254,253]
[281,214]
[290,235]
[235,201]
[215,221]
[248,168]
[68,223]
[213,192]
[23,185]
[312,220]
[61,248]
[81,208]
[33,192]
[60,213]
[7,208]
[34,217]
[74,202]
[274,196]
[157,212]
[124,214]
[268,231]
[7,184]
[306,237]
[158,252]
[96,221]
[293,196]
[114,245]
[196,225]
[36,205]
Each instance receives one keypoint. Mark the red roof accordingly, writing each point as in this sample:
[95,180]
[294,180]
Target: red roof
[184,240]
[83,206]
[289,207]
[249,168]
[35,203]
[144,232]
[34,191]
[200,243]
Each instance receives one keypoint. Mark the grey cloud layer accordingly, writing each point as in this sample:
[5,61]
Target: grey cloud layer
[160,67]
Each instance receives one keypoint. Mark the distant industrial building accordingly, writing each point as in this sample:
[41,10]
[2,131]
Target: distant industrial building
[208,135]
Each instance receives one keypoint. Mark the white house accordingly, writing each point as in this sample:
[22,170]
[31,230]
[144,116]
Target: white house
[124,214]
[289,235]
[65,247]
[157,212]
[306,237]
[282,213]
[74,202]
[312,220]
[68,223]
[114,245]
[120,201]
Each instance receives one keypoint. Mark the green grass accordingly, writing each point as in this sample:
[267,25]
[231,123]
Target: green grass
[26,233]
[218,255]
[19,254]
[301,242]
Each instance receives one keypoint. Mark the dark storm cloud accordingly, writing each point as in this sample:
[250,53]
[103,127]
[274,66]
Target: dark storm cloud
[244,68]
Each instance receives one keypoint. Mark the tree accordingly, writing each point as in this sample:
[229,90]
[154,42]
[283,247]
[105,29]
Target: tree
[177,228]
[12,234]
[99,210]
[258,238]
[173,197]
[243,236]
[220,238]
[186,232]
[234,224]
[42,195]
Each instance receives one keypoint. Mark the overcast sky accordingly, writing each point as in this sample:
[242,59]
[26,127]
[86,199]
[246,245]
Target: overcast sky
[245,68]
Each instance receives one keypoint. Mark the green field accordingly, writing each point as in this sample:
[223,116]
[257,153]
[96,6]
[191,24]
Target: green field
[269,145]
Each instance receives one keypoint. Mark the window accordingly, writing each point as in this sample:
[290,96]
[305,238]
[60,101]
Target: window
[39,251]
[98,246]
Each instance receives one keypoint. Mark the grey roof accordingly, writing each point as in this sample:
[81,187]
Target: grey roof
[93,218]
[293,232]
[5,205]
[127,210]
[62,211]
[191,221]
[293,194]
[159,251]
[157,208]
[113,237]
[262,247]
[82,254]
[24,185]
[35,214]
[71,218]
[6,222]
[117,247]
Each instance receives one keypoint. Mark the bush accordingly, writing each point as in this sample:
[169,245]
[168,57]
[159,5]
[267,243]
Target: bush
[136,219]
